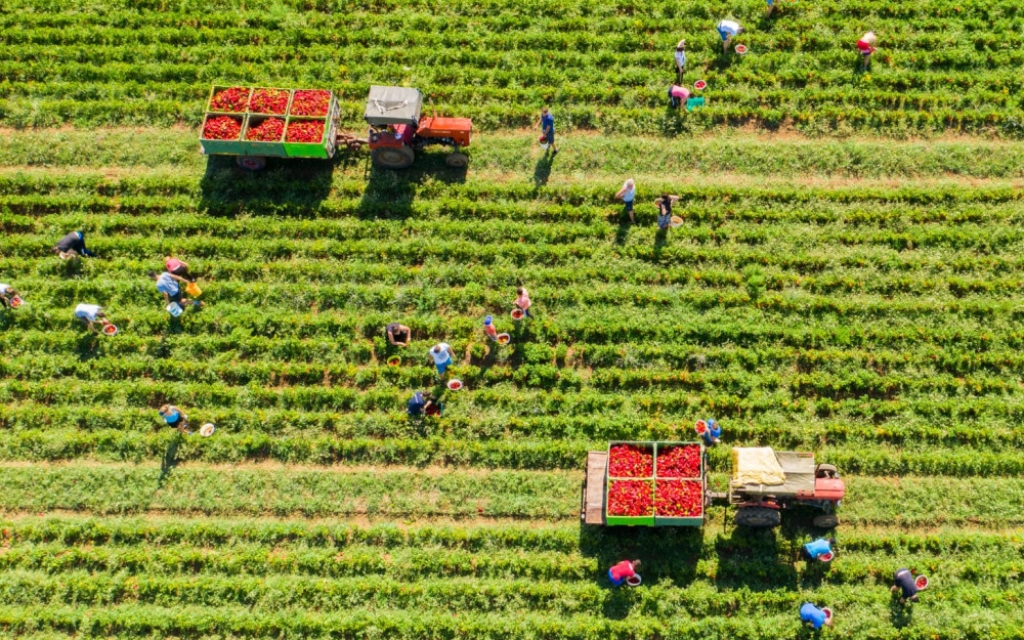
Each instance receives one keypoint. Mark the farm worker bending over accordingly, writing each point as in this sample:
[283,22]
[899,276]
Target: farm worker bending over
[713,433]
[728,29]
[665,210]
[817,548]
[814,615]
[627,194]
[174,418]
[489,329]
[547,127]
[398,334]
[90,313]
[680,60]
[623,570]
[72,246]
[522,301]
[442,354]
[6,293]
[167,284]
[677,95]
[176,267]
[866,45]
[906,583]
[421,403]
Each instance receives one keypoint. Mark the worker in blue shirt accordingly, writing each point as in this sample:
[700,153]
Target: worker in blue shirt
[817,617]
[817,548]
[713,433]
[547,126]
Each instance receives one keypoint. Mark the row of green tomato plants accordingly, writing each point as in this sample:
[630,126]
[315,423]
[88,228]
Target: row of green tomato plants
[28,112]
[403,494]
[471,537]
[913,201]
[55,444]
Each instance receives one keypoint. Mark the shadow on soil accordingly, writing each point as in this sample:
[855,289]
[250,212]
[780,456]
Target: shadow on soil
[668,554]
[170,460]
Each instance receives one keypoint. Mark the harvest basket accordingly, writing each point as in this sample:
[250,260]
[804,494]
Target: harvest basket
[322,149]
[282,114]
[217,88]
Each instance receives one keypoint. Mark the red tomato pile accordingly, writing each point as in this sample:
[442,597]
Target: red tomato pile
[679,462]
[270,130]
[311,103]
[630,498]
[222,128]
[233,99]
[269,101]
[678,498]
[630,461]
[305,131]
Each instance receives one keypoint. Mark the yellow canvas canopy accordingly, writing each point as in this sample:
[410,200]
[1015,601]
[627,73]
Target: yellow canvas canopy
[756,465]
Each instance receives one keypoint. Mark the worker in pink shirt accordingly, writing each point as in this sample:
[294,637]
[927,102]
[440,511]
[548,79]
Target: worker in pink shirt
[178,268]
[522,301]
[866,46]
[677,95]
[622,571]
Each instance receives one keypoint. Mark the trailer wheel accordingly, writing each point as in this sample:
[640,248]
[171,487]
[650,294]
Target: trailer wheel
[251,163]
[393,157]
[758,517]
[457,160]
[826,471]
[827,521]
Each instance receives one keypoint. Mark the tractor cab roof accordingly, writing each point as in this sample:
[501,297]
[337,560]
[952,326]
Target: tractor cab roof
[393,105]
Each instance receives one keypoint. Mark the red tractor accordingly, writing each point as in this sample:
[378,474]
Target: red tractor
[398,130]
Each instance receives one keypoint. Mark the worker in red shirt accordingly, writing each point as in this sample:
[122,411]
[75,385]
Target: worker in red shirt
[623,570]
[866,46]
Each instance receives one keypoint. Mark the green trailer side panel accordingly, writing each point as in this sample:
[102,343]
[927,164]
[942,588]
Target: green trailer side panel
[257,148]
[308,149]
[640,521]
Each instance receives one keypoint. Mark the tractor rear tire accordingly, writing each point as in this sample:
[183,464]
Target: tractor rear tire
[827,521]
[826,471]
[457,160]
[251,163]
[393,157]
[758,517]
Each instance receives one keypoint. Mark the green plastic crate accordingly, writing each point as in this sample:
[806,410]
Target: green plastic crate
[639,521]
[308,149]
[674,521]
[258,148]
[288,105]
[230,147]
[219,87]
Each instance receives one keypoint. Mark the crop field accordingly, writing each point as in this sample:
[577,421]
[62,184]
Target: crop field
[941,65]
[855,295]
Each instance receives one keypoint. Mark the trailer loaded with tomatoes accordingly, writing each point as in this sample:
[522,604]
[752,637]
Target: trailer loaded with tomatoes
[256,123]
[664,483]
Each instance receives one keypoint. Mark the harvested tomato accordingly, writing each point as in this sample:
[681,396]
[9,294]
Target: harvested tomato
[630,461]
[222,128]
[630,498]
[679,462]
[678,498]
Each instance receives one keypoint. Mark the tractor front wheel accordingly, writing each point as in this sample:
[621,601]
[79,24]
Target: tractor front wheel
[251,163]
[393,157]
[457,160]
[758,517]
[827,521]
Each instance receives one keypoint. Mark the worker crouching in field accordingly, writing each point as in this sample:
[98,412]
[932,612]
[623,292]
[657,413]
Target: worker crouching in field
[441,353]
[398,334]
[7,295]
[178,268]
[677,96]
[906,584]
[522,301]
[167,284]
[423,404]
[72,246]
[665,203]
[91,314]
[816,617]
[815,549]
[623,571]
[728,29]
[866,46]
[175,418]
